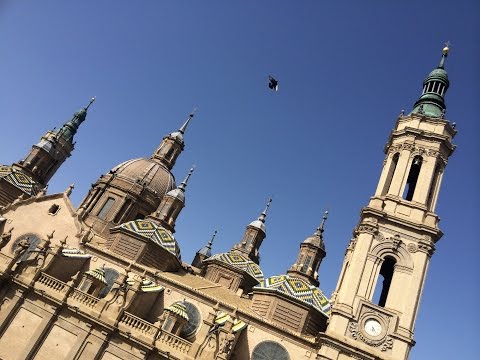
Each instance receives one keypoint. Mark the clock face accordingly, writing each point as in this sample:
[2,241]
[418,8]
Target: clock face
[373,327]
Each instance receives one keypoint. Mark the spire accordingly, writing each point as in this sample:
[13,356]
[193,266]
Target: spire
[183,128]
[263,215]
[183,185]
[69,129]
[321,228]
[204,253]
[210,243]
[432,102]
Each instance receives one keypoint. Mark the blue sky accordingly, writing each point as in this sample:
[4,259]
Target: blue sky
[346,69]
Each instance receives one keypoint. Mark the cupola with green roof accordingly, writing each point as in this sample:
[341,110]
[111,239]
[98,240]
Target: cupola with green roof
[432,101]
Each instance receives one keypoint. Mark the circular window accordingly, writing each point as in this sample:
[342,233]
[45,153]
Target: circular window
[194,319]
[110,276]
[269,350]
[31,239]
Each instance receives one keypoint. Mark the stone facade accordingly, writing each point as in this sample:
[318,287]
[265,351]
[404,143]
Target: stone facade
[107,281]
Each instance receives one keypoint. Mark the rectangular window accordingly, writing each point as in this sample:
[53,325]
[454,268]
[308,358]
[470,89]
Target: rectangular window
[102,214]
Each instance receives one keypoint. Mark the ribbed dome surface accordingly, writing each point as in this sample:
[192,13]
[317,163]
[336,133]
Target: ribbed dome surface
[152,174]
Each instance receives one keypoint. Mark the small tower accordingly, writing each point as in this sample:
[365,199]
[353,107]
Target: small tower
[204,253]
[310,256]
[172,145]
[379,289]
[53,149]
[171,205]
[134,188]
[29,176]
[253,237]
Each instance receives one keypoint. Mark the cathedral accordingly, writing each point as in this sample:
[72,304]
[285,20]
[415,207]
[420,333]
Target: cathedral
[106,280]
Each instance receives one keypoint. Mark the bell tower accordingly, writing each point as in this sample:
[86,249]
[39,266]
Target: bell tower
[378,293]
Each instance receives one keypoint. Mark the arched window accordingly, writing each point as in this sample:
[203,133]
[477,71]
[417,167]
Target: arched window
[384,281]
[412,178]
[194,319]
[433,187]
[269,350]
[391,172]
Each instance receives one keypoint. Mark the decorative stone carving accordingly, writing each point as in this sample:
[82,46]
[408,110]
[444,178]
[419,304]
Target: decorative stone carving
[413,248]
[396,242]
[366,228]
[5,238]
[426,247]
[379,237]
[21,248]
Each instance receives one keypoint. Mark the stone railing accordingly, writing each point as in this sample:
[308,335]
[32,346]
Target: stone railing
[51,283]
[84,298]
[138,324]
[173,341]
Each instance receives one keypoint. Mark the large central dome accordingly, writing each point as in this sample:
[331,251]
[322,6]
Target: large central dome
[148,172]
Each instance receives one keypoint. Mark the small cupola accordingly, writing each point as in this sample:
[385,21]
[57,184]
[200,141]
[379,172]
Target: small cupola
[432,101]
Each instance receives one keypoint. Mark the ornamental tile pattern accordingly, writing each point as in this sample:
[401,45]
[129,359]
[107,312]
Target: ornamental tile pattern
[98,273]
[179,309]
[298,289]
[19,180]
[154,232]
[240,262]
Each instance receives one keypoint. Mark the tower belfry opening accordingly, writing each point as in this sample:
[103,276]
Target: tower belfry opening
[412,178]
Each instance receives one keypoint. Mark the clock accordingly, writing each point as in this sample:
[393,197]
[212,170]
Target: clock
[373,327]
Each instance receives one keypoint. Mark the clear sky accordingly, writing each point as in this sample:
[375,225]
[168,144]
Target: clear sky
[346,69]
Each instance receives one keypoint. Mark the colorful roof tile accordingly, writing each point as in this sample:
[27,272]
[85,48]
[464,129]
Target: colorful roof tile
[179,309]
[19,180]
[222,318]
[297,289]
[147,285]
[98,273]
[240,262]
[154,232]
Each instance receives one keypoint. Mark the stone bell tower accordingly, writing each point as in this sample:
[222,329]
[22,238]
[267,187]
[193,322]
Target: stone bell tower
[378,293]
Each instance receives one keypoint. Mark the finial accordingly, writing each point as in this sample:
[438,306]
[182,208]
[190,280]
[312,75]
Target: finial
[321,228]
[183,185]
[445,51]
[183,128]
[264,213]
[90,103]
[210,243]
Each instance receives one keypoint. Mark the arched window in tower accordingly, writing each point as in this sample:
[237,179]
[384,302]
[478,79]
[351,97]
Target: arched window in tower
[248,240]
[384,281]
[102,214]
[391,172]
[412,178]
[306,264]
[433,187]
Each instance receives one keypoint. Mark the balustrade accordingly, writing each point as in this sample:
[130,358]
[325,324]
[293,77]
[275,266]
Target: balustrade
[174,342]
[52,283]
[84,298]
[138,324]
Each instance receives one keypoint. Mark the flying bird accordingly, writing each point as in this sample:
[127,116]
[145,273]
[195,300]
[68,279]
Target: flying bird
[272,83]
